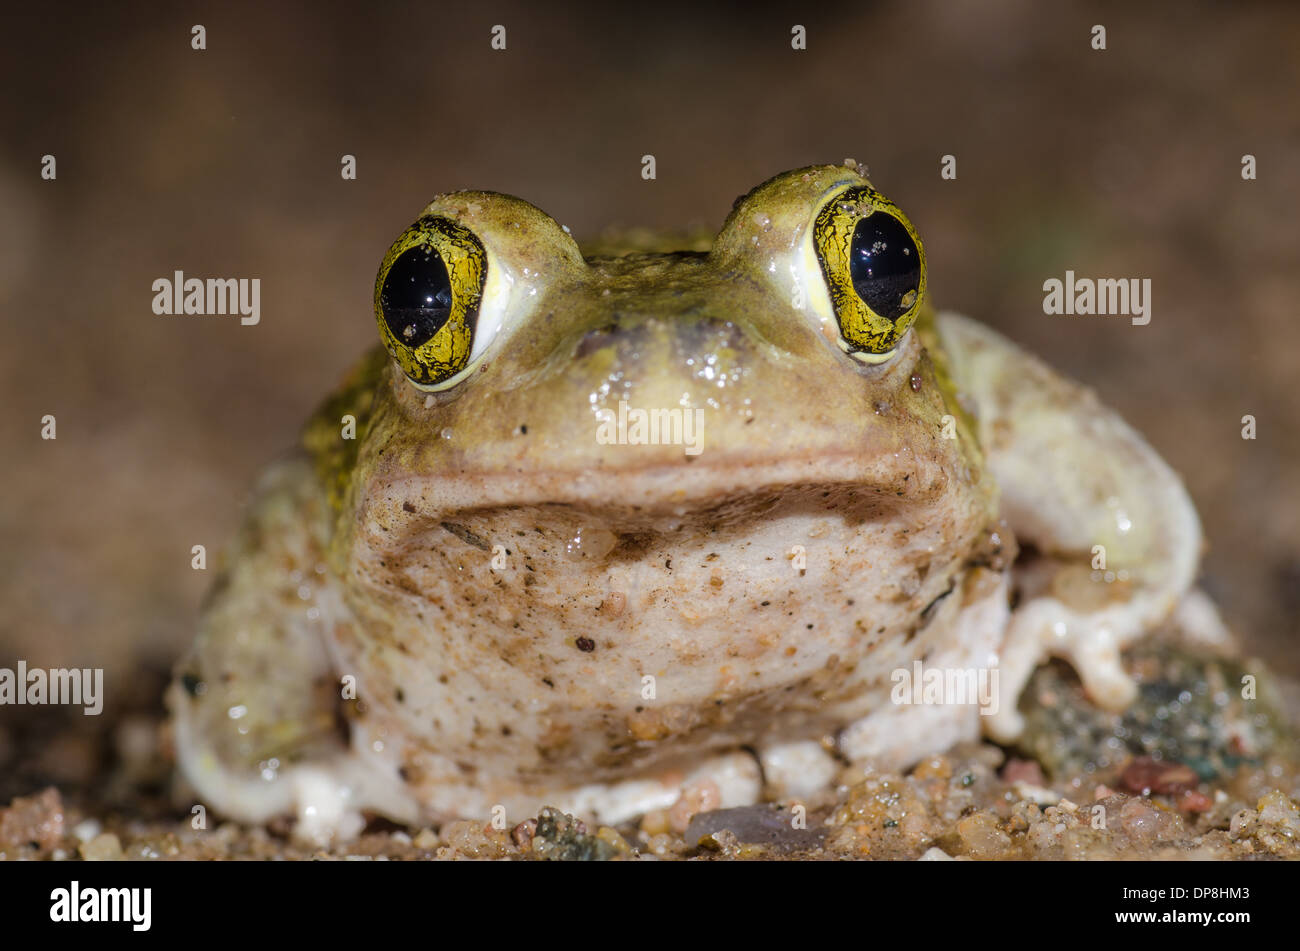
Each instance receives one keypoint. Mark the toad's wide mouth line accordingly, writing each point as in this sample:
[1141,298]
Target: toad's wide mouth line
[903,477]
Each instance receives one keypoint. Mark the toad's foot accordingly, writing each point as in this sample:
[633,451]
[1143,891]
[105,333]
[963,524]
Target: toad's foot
[1115,534]
[327,796]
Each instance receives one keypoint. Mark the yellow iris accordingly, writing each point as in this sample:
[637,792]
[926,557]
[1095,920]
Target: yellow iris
[866,332]
[433,251]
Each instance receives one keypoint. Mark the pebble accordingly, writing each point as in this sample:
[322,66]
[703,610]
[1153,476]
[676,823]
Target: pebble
[87,830]
[935,854]
[756,825]
[981,835]
[104,847]
[37,818]
[1146,775]
[1025,771]
[1039,794]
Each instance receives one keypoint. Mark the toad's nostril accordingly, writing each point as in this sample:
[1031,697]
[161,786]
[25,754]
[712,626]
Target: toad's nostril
[597,339]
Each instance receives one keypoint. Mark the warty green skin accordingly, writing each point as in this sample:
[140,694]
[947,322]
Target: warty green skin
[476,607]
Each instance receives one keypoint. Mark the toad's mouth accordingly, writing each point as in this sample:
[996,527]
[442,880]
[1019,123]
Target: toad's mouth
[720,487]
[764,546]
[610,535]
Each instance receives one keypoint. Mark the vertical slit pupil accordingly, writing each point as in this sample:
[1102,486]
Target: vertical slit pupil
[416,296]
[884,264]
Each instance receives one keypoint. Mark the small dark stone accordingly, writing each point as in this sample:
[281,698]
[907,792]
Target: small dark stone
[762,824]
[522,834]
[1146,775]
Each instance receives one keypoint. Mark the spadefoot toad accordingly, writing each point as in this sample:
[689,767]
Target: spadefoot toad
[586,531]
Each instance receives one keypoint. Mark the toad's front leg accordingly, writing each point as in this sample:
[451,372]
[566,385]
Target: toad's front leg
[1114,539]
[256,702]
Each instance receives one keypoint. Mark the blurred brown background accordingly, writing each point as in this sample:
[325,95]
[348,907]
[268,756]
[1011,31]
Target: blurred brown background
[1122,163]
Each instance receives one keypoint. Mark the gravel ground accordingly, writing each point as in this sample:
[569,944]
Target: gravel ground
[959,806]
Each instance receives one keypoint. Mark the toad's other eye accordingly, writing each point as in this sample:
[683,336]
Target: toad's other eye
[427,298]
[874,267]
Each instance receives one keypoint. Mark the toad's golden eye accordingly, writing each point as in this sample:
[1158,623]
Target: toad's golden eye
[427,298]
[874,267]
